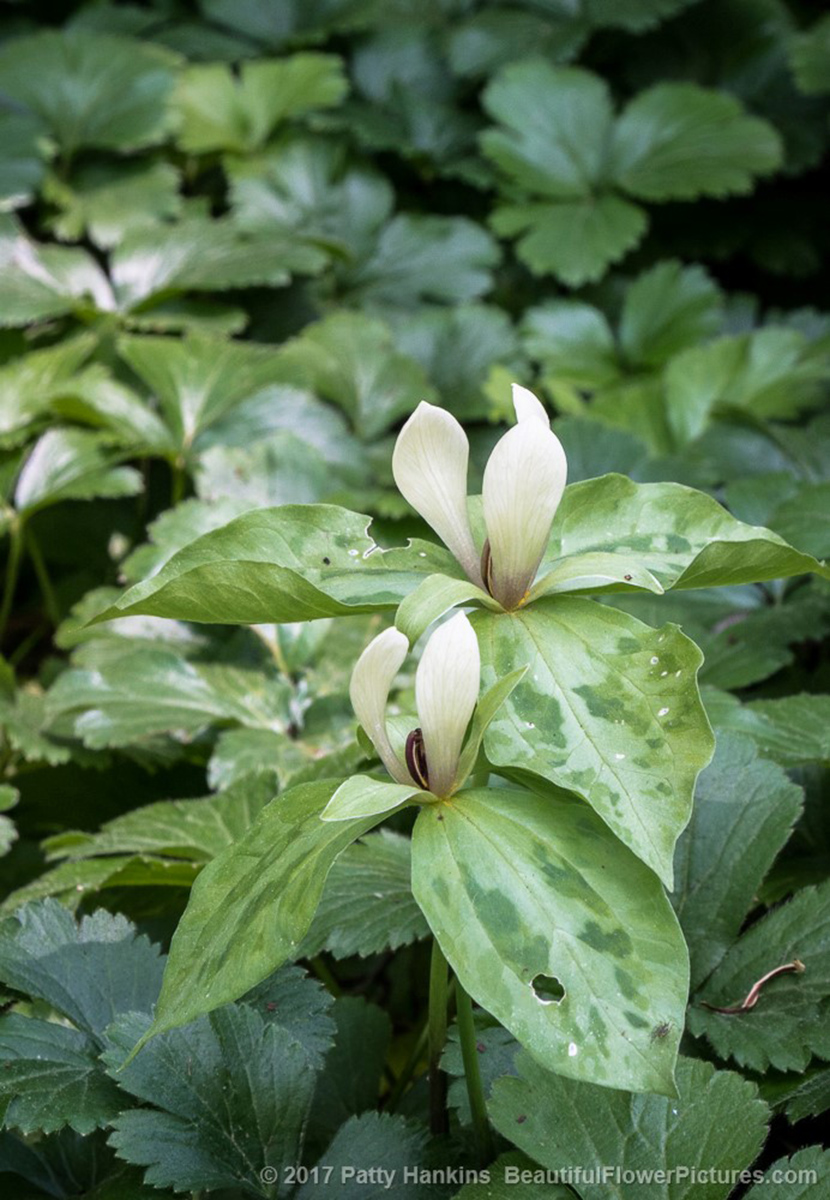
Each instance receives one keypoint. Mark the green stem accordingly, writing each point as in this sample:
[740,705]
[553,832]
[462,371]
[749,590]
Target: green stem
[437,1027]
[178,482]
[50,602]
[325,976]
[472,1074]
[402,1082]
[12,571]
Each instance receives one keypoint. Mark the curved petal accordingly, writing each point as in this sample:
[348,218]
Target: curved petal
[430,468]
[523,483]
[446,691]
[527,407]
[372,678]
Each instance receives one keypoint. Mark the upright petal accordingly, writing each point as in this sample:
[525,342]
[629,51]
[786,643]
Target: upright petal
[523,484]
[372,678]
[446,691]
[527,407]
[430,469]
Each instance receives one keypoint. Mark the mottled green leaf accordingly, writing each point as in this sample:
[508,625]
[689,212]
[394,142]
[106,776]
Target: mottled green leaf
[362,796]
[608,709]
[251,905]
[716,1123]
[682,536]
[432,598]
[283,564]
[517,886]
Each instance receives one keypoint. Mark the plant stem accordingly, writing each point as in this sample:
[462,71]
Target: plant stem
[178,482]
[408,1070]
[472,1074]
[12,571]
[325,976]
[50,602]
[438,989]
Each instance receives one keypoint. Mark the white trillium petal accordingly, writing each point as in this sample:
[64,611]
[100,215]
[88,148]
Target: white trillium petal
[446,691]
[430,469]
[527,407]
[523,483]
[372,678]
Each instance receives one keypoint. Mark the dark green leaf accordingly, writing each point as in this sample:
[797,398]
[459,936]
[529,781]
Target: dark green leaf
[89,972]
[367,904]
[679,141]
[805,1176]
[790,1020]
[230,1095]
[744,811]
[91,89]
[716,1123]
[216,108]
[52,1078]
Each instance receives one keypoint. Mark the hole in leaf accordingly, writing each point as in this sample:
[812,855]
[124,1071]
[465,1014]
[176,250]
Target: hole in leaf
[548,989]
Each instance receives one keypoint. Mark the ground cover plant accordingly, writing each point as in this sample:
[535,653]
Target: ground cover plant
[414,692]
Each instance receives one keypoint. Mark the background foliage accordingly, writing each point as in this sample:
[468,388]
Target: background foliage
[239,242]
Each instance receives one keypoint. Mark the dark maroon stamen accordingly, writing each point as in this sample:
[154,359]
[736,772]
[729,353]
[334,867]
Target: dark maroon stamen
[487,567]
[416,759]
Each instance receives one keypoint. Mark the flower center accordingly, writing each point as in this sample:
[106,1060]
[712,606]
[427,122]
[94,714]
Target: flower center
[487,567]
[416,759]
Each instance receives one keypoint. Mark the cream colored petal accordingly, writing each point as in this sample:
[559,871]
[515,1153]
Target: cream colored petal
[523,484]
[446,691]
[527,407]
[430,468]
[372,677]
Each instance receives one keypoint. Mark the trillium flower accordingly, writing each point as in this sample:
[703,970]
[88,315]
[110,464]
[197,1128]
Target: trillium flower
[523,483]
[446,691]
[436,760]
